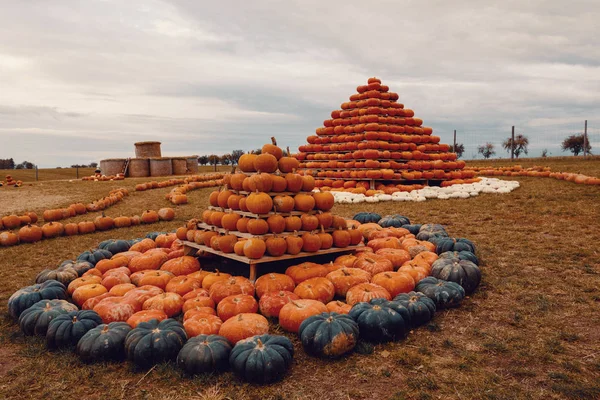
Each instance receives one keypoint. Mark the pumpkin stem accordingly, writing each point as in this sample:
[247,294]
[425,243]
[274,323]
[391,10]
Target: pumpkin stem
[259,343]
[273,140]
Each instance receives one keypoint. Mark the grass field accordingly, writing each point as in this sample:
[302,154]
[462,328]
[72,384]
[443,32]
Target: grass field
[531,331]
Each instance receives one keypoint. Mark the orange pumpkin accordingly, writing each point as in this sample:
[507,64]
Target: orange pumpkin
[202,325]
[319,288]
[85,292]
[145,316]
[121,289]
[181,266]
[198,311]
[365,292]
[196,303]
[259,203]
[147,261]
[143,246]
[114,278]
[338,307]
[307,270]
[345,278]
[295,312]
[273,283]
[84,280]
[254,248]
[394,282]
[270,303]
[143,293]
[153,278]
[116,309]
[396,256]
[373,263]
[183,284]
[294,244]
[170,303]
[214,277]
[236,304]
[243,326]
[232,286]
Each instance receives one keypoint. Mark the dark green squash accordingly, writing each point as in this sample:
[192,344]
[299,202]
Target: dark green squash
[328,334]
[35,320]
[65,330]
[154,235]
[393,221]
[24,298]
[428,231]
[64,275]
[93,256]
[134,241]
[204,354]
[453,244]
[262,358]
[380,320]
[414,228]
[420,307]
[115,246]
[367,217]
[460,255]
[155,341]
[104,342]
[80,266]
[463,272]
[443,293]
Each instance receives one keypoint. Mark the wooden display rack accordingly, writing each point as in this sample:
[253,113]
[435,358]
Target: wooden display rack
[191,248]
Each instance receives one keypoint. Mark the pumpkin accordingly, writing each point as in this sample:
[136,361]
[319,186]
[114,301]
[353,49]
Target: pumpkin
[318,288]
[197,302]
[181,266]
[154,341]
[236,304]
[183,284]
[103,223]
[380,320]
[115,246]
[86,227]
[364,292]
[463,272]
[295,312]
[395,221]
[64,275]
[204,354]
[396,256]
[142,293]
[104,342]
[80,266]
[243,326]
[373,263]
[270,303]
[116,309]
[143,245]
[145,316]
[328,335]
[8,239]
[213,277]
[338,307]
[394,282]
[13,221]
[273,283]
[165,241]
[201,324]
[30,234]
[288,164]
[150,217]
[283,203]
[232,286]
[428,231]
[85,280]
[276,246]
[367,217]
[420,307]
[93,256]
[294,183]
[120,222]
[293,244]
[443,293]
[262,359]
[304,202]
[347,260]
[293,223]
[147,261]
[311,242]
[159,279]
[35,319]
[257,226]
[345,278]
[266,163]
[121,289]
[200,292]
[24,298]
[259,203]
[453,244]
[460,255]
[412,228]
[65,330]
[254,248]
[170,303]
[301,272]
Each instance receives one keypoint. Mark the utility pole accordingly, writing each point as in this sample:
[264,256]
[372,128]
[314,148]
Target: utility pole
[454,141]
[36,173]
[512,145]
[585,140]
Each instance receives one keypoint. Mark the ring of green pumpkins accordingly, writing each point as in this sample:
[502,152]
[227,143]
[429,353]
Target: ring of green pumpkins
[42,309]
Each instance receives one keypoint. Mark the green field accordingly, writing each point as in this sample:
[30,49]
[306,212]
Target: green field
[531,331]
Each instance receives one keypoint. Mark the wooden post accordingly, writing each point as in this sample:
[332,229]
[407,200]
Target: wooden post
[454,141]
[585,140]
[77,172]
[512,145]
[36,173]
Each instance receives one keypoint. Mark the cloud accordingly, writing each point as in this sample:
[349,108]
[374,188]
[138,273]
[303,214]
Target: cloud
[84,81]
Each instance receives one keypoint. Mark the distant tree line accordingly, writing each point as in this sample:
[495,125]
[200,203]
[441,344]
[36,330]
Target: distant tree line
[226,159]
[9,163]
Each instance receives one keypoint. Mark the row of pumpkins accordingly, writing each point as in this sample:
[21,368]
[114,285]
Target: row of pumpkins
[140,187]
[11,182]
[537,172]
[104,178]
[132,294]
[178,196]
[32,233]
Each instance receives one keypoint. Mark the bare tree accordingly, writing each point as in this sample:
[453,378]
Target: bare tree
[203,160]
[486,150]
[460,149]
[519,146]
[574,144]
[235,156]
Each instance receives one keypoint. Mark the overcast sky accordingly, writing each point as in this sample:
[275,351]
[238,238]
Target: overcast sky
[82,80]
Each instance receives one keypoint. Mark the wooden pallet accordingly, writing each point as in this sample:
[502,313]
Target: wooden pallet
[208,227]
[252,215]
[191,248]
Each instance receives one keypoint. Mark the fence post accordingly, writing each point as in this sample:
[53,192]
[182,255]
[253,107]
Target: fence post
[77,172]
[585,140]
[36,173]
[454,141]
[512,145]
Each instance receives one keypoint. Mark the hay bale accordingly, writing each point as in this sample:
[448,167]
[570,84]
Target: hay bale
[147,149]
[161,166]
[112,166]
[179,165]
[139,167]
[192,164]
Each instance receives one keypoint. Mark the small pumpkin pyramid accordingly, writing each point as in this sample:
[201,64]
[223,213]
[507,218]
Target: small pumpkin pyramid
[373,138]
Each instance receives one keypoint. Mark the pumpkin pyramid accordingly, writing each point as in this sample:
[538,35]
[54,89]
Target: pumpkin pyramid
[373,142]
[266,209]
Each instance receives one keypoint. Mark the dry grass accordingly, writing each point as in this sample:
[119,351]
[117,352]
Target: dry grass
[532,330]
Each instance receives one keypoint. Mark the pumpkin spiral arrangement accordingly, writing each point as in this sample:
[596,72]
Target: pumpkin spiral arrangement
[373,137]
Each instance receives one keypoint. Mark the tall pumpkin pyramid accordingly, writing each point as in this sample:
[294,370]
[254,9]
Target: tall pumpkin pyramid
[373,142]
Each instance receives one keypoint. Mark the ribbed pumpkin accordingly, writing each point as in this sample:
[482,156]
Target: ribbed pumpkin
[304,202]
[30,234]
[295,312]
[35,319]
[202,324]
[273,283]
[373,263]
[283,203]
[254,248]
[364,292]
[236,304]
[181,266]
[204,354]
[213,277]
[145,316]
[24,298]
[276,246]
[170,303]
[394,282]
[183,284]
[320,289]
[443,293]
[65,330]
[153,342]
[115,309]
[306,270]
[262,359]
[420,307]
[345,278]
[266,163]
[259,203]
[232,286]
[270,303]
[328,335]
[463,272]
[104,342]
[381,320]
[243,326]
[338,307]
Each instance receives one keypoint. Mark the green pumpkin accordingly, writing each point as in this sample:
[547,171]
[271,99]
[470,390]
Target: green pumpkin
[328,334]
[154,235]
[24,298]
[35,320]
[393,221]
[443,293]
[463,272]
[460,255]
[453,244]
[428,231]
[380,320]
[115,246]
[64,275]
[80,266]
[262,358]
[93,256]
[204,354]
[367,217]
[153,342]
[414,229]
[420,307]
[66,329]
[104,342]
